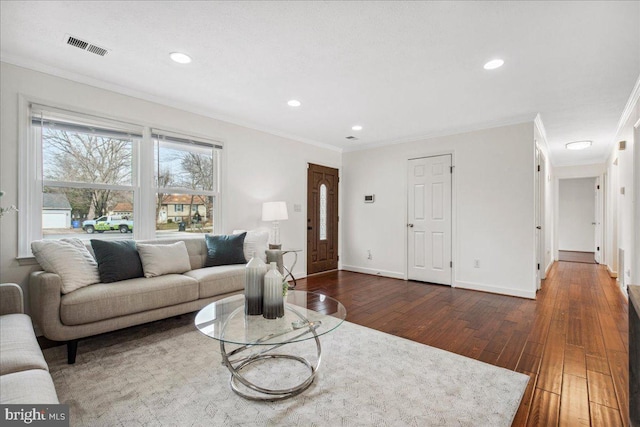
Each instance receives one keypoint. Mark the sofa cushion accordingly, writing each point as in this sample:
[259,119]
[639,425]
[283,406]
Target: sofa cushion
[105,301]
[117,260]
[218,280]
[225,249]
[69,259]
[158,260]
[256,242]
[19,349]
[28,387]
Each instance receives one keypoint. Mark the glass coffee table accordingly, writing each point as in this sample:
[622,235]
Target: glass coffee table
[246,341]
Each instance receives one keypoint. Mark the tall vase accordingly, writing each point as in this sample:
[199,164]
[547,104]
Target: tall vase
[254,285]
[273,303]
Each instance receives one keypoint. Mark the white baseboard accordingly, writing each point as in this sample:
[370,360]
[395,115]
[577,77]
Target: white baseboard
[546,270]
[374,272]
[495,290]
[612,273]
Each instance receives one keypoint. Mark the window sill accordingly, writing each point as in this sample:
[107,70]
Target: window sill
[27,260]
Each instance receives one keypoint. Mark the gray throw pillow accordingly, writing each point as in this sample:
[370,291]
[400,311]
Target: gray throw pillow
[117,260]
[225,249]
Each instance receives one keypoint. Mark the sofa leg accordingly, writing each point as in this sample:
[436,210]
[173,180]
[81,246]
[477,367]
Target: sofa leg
[72,349]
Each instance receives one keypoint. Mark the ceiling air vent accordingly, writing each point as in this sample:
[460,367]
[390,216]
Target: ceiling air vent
[81,44]
[352,138]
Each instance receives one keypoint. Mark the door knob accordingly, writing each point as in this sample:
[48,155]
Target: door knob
[538,227]
[410,225]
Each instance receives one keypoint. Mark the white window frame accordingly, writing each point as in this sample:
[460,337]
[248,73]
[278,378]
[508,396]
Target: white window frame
[216,192]
[30,182]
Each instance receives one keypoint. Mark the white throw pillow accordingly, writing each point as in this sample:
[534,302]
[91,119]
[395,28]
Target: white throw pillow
[68,258]
[255,241]
[158,260]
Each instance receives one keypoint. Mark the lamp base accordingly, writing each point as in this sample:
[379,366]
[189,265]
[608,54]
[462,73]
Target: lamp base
[272,246]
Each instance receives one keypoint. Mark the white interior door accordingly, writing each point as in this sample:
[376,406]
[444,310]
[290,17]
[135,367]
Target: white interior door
[597,222]
[539,215]
[429,219]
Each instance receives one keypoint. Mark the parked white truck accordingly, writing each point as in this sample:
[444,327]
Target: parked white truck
[108,223]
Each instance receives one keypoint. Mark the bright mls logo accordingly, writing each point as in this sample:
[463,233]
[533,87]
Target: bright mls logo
[35,415]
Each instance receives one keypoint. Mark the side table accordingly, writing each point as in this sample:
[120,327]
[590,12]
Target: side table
[277,256]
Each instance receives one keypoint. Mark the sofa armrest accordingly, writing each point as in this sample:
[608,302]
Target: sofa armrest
[45,290]
[11,299]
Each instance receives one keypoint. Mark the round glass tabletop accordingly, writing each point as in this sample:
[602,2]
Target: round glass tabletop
[224,320]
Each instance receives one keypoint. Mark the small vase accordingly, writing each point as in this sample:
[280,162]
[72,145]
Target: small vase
[254,285]
[272,302]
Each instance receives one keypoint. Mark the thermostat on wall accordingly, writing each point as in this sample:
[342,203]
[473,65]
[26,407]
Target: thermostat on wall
[369,198]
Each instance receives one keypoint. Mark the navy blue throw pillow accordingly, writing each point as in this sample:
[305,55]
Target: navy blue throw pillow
[224,249]
[117,260]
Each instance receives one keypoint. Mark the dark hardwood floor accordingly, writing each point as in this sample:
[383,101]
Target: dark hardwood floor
[572,340]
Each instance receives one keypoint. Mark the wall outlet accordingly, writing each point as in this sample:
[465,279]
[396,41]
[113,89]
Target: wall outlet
[369,256]
[476,263]
[297,207]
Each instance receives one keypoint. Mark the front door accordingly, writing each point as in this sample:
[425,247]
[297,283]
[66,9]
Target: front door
[322,219]
[429,219]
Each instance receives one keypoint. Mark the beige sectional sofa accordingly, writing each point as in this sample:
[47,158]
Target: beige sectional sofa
[24,374]
[105,307]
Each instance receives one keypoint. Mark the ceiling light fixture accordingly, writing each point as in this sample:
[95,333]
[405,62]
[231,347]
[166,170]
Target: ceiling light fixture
[294,103]
[356,127]
[578,145]
[180,58]
[493,64]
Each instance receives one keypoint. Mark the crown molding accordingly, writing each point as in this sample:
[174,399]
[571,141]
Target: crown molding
[628,109]
[544,144]
[122,90]
[515,120]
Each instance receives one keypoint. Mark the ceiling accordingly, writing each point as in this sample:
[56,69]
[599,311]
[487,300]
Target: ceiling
[402,70]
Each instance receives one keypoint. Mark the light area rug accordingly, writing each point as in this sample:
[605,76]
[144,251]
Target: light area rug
[167,373]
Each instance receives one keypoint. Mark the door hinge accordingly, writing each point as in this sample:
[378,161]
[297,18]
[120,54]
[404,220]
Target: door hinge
[451,264]
[538,266]
[338,258]
[450,169]
[538,168]
[598,248]
[597,187]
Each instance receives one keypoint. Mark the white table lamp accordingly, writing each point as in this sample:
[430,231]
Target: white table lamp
[276,212]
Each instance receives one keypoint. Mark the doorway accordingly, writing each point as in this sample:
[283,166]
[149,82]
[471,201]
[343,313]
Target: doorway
[578,221]
[429,219]
[322,218]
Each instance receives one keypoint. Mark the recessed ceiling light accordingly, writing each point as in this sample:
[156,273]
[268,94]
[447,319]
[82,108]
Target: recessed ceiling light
[180,58]
[578,145]
[294,103]
[493,64]
[356,127]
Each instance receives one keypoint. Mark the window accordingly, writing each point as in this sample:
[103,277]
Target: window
[86,176]
[85,172]
[186,176]
[323,212]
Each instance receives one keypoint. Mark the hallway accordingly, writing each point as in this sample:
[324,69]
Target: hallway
[572,341]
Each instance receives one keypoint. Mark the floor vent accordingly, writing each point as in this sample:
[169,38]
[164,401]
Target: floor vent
[84,45]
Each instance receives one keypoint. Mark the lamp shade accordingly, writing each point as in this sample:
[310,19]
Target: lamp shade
[274,211]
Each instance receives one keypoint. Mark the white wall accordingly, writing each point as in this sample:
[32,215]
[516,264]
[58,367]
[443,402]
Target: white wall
[493,205]
[257,166]
[576,215]
[623,171]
